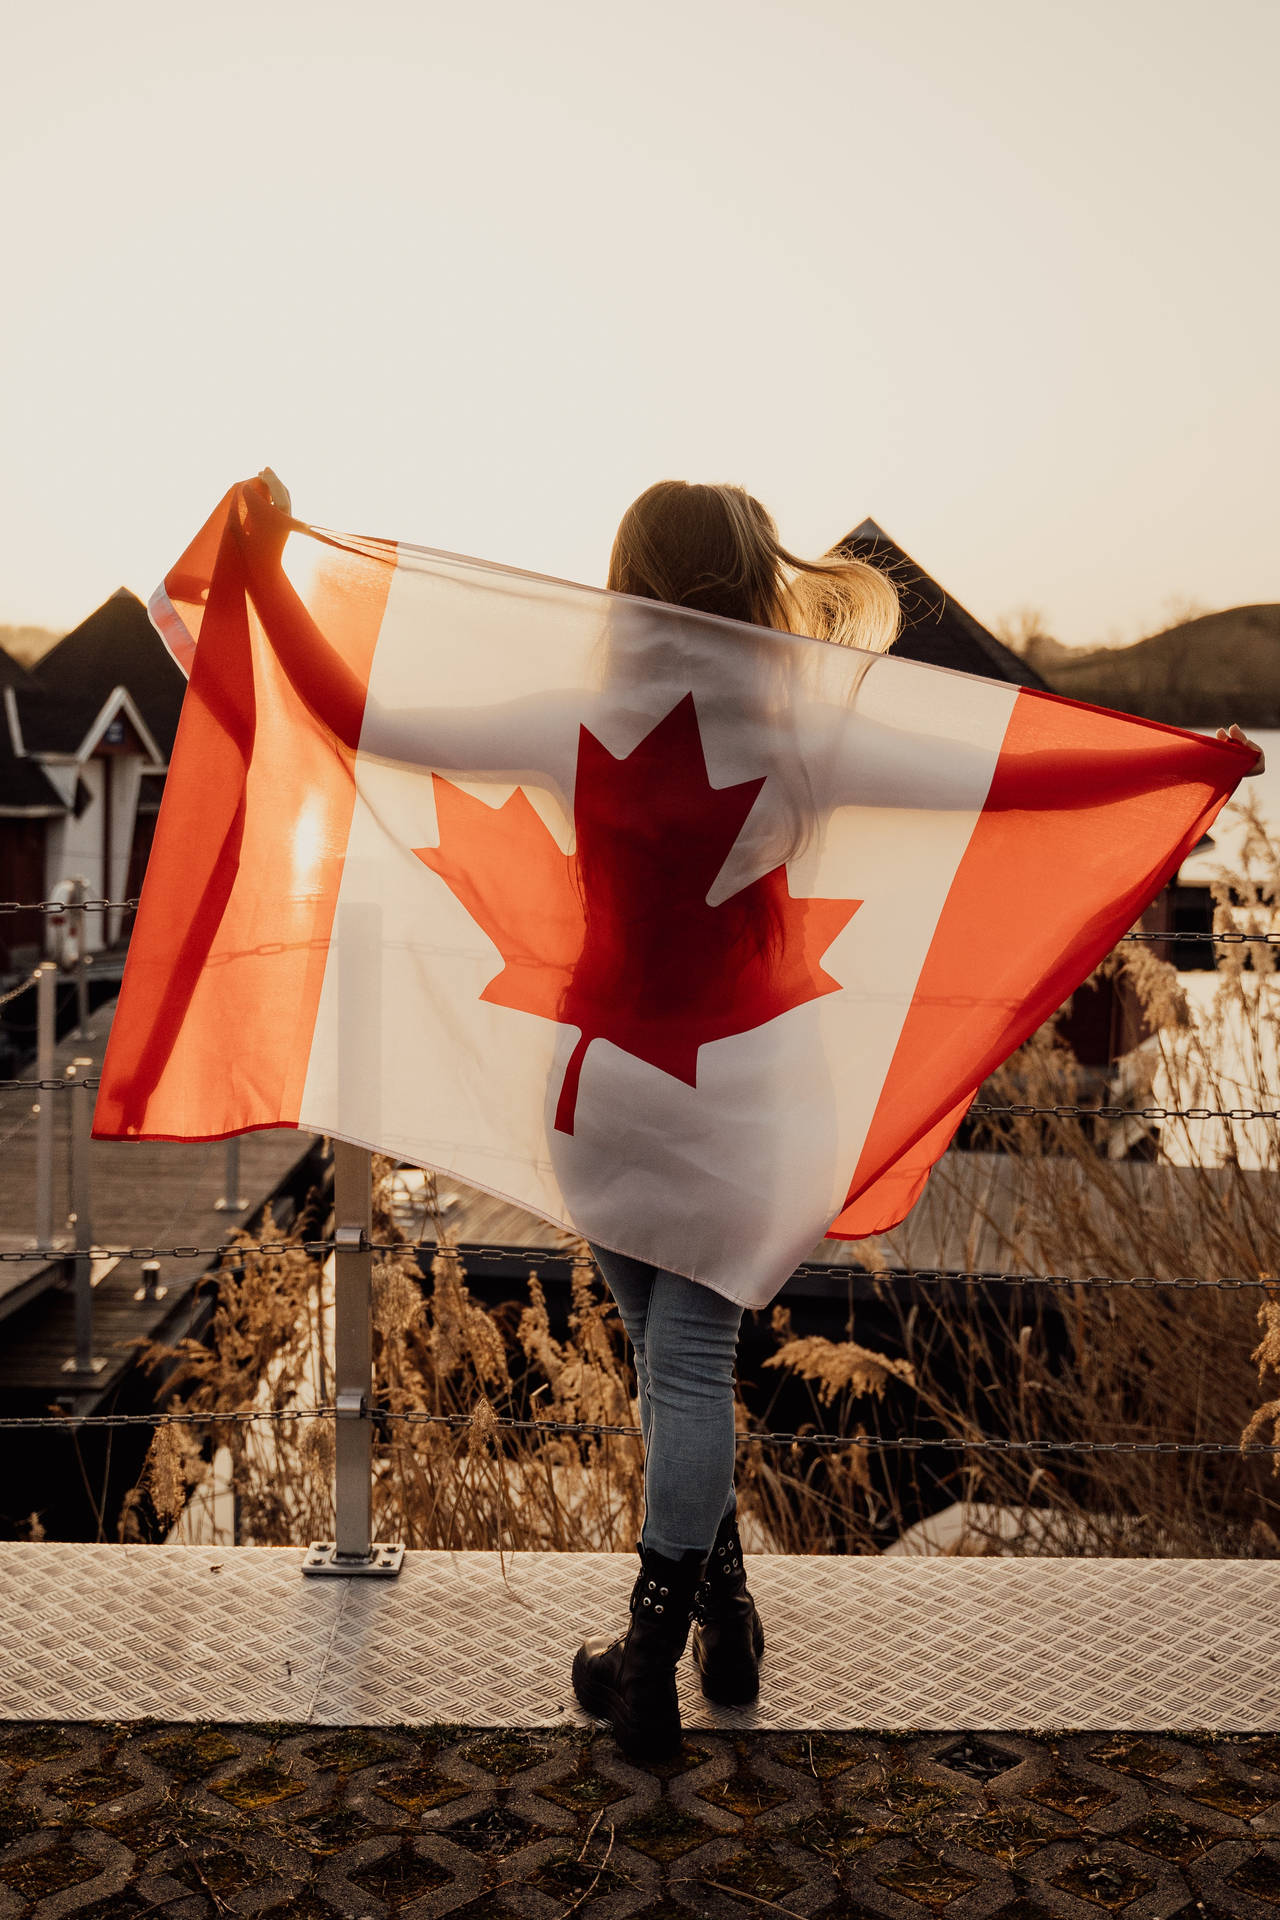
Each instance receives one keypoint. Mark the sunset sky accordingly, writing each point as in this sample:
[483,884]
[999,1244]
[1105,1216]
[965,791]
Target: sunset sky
[1001,274]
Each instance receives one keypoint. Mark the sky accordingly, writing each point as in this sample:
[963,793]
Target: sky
[1001,275]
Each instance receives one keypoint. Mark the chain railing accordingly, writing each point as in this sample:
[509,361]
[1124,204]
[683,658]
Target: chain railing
[1138,933]
[383,1419]
[357,1418]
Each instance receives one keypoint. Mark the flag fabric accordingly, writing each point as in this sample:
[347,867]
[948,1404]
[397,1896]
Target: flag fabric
[693,937]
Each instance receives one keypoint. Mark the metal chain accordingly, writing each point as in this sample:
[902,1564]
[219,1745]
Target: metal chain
[594,1430]
[540,1256]
[92,1083]
[21,987]
[63,906]
[1133,1113]
[123,906]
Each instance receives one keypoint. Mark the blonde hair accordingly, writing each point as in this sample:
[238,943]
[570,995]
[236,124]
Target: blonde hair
[716,549]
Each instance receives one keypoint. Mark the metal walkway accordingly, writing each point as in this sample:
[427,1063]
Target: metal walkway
[179,1634]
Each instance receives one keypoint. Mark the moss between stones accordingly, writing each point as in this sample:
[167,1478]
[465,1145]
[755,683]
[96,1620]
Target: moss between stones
[1240,1798]
[350,1752]
[190,1754]
[84,1792]
[742,1793]
[1067,1793]
[1005,1834]
[400,1876]
[330,1832]
[1134,1756]
[822,1754]
[48,1872]
[583,1792]
[1106,1882]
[417,1788]
[1259,1876]
[664,1832]
[833,1830]
[566,1877]
[216,1868]
[505,1754]
[262,1786]
[755,1870]
[27,1746]
[933,1882]
[1172,1838]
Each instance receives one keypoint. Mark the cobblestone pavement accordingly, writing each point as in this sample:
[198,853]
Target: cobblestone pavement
[110,1822]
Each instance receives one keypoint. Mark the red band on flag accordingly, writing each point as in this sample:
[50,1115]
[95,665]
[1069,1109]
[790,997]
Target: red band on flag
[227,958]
[1073,783]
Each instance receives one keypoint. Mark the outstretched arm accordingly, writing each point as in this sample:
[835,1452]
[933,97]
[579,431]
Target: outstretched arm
[532,737]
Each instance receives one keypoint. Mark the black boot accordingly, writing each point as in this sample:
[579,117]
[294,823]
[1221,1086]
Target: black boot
[631,1682]
[728,1639]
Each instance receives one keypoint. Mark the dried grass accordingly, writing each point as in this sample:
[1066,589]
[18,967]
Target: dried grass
[1011,1360]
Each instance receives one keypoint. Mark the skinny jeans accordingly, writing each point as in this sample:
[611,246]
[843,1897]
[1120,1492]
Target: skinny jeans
[684,1337]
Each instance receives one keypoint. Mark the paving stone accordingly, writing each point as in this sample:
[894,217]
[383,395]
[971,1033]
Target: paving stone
[196,1822]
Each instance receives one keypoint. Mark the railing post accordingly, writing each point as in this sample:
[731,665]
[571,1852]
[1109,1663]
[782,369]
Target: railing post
[353,1550]
[82,983]
[84,1359]
[232,1201]
[46,988]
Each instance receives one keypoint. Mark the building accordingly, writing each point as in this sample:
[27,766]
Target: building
[85,738]
[936,629]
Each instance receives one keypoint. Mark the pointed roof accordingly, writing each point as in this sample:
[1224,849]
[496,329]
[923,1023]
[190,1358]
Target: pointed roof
[117,646]
[935,628]
[12,672]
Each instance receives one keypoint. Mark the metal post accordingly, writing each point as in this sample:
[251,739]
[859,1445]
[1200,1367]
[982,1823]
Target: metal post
[82,984]
[354,1550]
[232,1201]
[46,987]
[81,1119]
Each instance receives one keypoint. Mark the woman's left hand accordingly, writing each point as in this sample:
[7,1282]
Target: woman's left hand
[1241,739]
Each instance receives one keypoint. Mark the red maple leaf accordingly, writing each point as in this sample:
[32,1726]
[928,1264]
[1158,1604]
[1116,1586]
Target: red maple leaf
[617,938]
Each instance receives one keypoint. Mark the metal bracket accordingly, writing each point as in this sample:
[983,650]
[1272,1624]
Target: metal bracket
[350,1240]
[384,1561]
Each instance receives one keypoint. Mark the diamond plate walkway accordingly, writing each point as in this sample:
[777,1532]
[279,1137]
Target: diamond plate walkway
[196,1733]
[196,1633]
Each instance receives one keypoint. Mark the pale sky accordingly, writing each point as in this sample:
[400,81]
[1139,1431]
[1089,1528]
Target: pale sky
[1001,273]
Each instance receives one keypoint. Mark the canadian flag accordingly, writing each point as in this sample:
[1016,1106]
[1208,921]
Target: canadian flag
[694,937]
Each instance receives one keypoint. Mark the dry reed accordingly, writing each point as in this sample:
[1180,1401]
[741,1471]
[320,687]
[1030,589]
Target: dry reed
[1016,1361]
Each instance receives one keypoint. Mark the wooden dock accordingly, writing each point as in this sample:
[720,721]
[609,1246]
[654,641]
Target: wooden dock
[144,1193]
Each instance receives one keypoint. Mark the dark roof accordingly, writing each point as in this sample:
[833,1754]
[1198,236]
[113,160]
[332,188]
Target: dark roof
[12,672]
[53,722]
[117,647]
[23,783]
[935,628]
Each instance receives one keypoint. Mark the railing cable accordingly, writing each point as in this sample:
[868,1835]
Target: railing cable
[535,1257]
[383,1419]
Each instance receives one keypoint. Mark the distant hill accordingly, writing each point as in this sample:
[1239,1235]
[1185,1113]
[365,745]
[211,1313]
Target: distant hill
[27,644]
[1218,668]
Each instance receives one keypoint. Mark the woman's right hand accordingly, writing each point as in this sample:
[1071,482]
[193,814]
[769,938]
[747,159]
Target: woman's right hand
[1241,739]
[277,489]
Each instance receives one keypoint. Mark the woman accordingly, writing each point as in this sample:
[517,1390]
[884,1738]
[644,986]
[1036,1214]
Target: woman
[714,549]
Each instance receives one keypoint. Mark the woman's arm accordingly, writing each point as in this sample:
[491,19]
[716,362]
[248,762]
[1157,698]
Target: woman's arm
[531,738]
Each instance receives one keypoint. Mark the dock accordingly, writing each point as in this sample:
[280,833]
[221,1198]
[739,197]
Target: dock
[146,1193]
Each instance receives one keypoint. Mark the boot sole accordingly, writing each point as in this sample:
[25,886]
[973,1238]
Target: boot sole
[605,1703]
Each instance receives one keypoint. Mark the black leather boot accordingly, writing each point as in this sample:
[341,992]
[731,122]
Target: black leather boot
[728,1639]
[631,1682]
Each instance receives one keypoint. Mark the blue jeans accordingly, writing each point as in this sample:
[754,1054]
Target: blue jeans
[684,1338]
